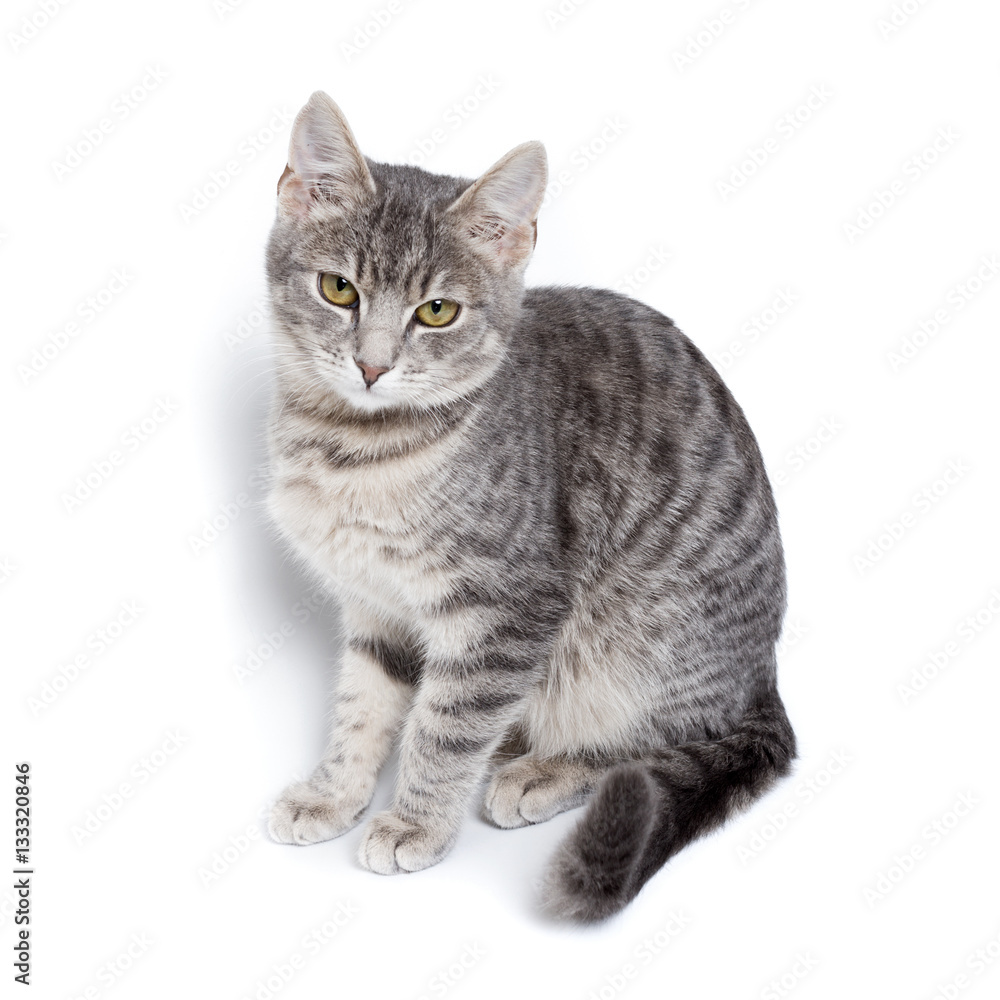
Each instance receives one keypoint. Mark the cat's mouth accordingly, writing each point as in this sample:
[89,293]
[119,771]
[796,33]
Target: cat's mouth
[364,392]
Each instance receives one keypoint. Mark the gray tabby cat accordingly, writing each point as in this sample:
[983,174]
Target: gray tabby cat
[544,517]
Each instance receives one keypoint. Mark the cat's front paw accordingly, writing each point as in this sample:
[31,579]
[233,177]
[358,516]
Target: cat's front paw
[307,815]
[392,845]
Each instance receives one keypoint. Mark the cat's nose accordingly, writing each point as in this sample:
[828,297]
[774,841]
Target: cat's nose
[370,373]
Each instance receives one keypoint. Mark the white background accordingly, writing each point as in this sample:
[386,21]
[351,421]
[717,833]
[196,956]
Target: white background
[858,893]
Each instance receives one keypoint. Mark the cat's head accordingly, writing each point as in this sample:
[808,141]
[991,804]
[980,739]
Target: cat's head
[392,286]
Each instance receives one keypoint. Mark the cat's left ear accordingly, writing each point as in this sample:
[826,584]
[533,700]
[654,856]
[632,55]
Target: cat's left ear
[325,166]
[499,211]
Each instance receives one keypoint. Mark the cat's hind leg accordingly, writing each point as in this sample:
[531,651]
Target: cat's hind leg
[533,789]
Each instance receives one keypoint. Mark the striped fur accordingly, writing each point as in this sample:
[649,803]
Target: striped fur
[548,520]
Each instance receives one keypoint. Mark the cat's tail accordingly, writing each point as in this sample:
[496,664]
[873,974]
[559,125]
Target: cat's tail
[643,812]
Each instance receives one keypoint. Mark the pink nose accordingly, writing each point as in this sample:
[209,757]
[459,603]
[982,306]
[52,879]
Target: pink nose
[370,373]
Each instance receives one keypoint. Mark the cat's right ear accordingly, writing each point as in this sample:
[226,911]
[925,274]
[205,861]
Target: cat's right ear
[325,166]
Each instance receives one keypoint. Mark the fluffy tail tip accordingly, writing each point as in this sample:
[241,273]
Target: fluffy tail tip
[593,872]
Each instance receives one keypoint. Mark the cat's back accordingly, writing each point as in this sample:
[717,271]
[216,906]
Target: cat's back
[617,368]
[610,323]
[638,425]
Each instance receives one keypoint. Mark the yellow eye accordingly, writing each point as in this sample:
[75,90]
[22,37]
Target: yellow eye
[338,290]
[437,312]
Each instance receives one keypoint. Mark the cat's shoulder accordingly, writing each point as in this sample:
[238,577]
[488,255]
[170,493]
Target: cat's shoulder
[570,319]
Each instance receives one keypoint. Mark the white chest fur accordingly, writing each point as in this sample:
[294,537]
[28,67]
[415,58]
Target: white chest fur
[369,528]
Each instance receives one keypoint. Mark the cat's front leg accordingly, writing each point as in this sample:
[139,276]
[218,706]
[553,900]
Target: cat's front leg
[466,701]
[372,695]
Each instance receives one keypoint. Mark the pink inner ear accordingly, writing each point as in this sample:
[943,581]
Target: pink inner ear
[488,227]
[294,195]
[504,240]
